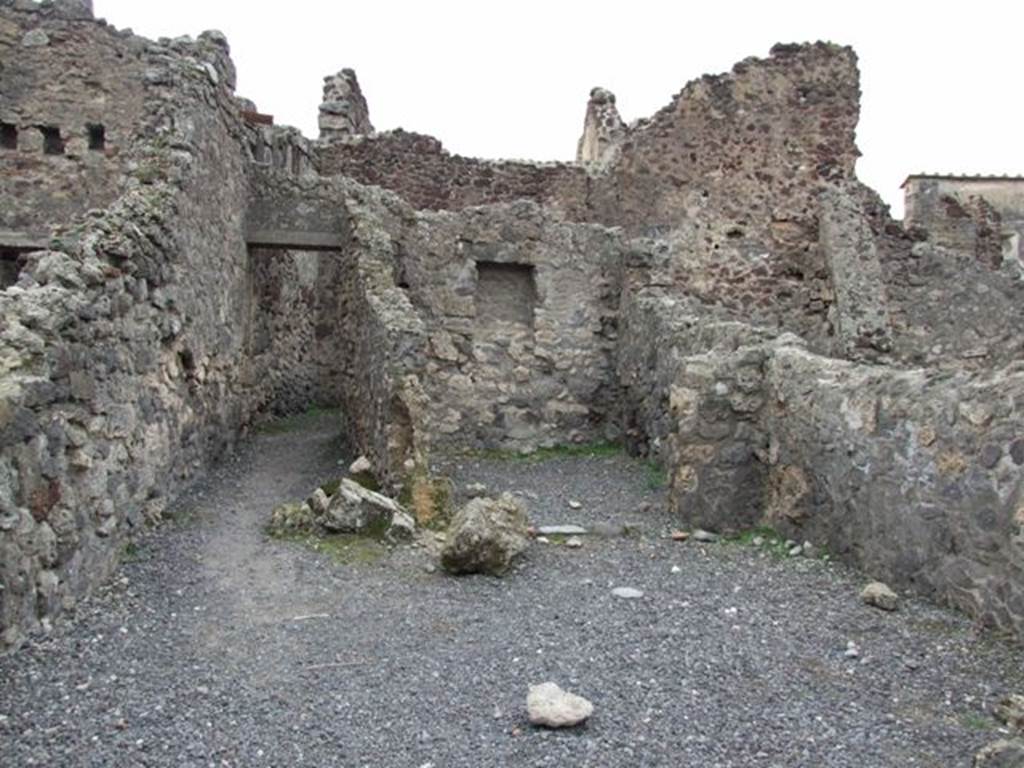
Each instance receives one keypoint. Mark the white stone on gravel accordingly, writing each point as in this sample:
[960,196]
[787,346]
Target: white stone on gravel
[628,593]
[573,504]
[362,464]
[562,530]
[706,536]
[548,705]
[574,542]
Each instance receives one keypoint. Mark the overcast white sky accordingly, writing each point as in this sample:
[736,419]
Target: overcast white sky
[940,81]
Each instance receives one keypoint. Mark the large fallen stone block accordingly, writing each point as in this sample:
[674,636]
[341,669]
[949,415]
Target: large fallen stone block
[355,509]
[485,536]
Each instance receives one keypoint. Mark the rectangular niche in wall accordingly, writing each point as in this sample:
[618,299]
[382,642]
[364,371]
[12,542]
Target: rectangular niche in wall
[8,136]
[10,267]
[505,296]
[97,137]
[53,144]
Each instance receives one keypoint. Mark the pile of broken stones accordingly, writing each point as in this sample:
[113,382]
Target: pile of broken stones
[1006,752]
[485,536]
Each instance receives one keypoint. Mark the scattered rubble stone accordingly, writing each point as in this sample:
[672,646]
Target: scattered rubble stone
[318,502]
[1004,753]
[351,509]
[360,465]
[485,536]
[1010,710]
[879,595]
[628,593]
[561,530]
[292,517]
[574,542]
[549,706]
[706,537]
[475,490]
[355,509]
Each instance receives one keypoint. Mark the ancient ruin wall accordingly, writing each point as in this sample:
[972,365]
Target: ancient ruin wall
[521,313]
[428,177]
[983,215]
[753,145]
[730,171]
[383,338]
[494,327]
[71,104]
[126,351]
[913,475]
[948,309]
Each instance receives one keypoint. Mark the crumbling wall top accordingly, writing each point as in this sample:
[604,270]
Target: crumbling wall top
[603,130]
[343,112]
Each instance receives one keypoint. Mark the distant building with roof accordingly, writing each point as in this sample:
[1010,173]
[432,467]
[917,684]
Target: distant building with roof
[982,214]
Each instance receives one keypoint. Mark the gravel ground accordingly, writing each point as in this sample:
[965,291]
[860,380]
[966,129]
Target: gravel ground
[216,646]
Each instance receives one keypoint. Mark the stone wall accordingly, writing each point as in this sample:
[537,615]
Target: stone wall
[383,338]
[494,327]
[290,345]
[659,332]
[603,131]
[71,104]
[860,311]
[521,311]
[914,475]
[419,169]
[729,174]
[134,352]
[344,111]
[949,310]
[753,146]
[983,215]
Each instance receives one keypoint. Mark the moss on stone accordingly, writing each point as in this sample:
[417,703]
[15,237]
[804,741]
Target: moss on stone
[366,479]
[342,548]
[331,487]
